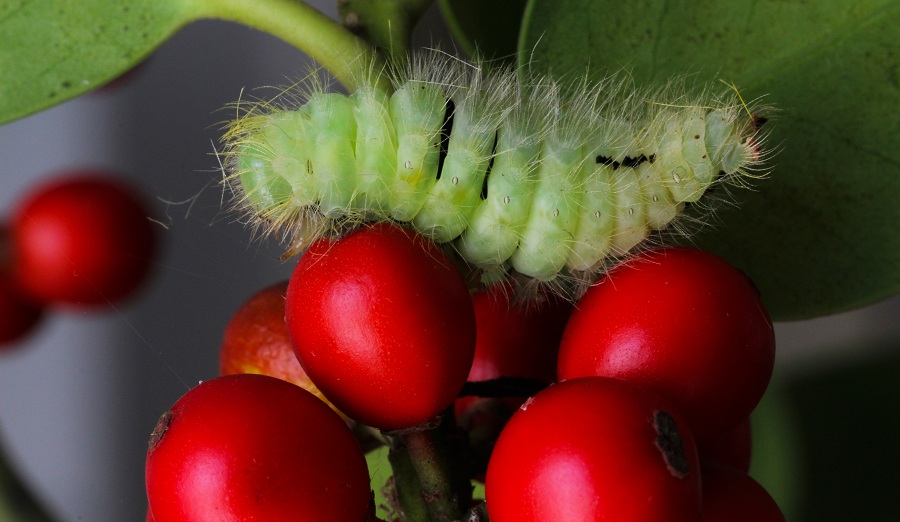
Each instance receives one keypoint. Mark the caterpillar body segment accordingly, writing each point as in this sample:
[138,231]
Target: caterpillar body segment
[376,150]
[532,176]
[660,206]
[417,110]
[678,173]
[332,161]
[476,114]
[498,222]
[259,182]
[593,241]
[631,211]
[554,212]
[288,133]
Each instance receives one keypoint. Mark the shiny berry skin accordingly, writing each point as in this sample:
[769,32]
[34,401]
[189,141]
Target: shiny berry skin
[82,239]
[682,322]
[253,447]
[514,339]
[383,324]
[256,340]
[594,449]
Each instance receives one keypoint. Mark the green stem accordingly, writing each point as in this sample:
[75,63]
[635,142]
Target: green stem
[348,57]
[388,24]
[434,453]
[434,476]
[407,487]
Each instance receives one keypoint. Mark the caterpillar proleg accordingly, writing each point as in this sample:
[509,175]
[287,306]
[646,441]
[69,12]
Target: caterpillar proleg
[518,173]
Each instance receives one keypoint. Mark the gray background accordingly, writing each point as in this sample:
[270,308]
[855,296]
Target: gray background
[79,398]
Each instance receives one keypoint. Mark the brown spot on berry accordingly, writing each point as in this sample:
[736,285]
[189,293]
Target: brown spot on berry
[159,431]
[669,443]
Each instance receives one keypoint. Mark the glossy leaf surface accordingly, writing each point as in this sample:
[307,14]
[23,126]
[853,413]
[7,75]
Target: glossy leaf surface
[819,235]
[55,50]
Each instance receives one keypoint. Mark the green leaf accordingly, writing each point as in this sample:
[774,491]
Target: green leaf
[819,236]
[54,50]
[379,474]
[489,29]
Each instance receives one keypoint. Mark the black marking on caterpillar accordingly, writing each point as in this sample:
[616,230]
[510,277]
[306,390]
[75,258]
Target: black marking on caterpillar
[536,178]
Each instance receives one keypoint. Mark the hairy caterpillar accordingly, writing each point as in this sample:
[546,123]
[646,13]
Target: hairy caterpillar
[528,176]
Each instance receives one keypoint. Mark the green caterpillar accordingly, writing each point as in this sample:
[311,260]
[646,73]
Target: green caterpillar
[530,175]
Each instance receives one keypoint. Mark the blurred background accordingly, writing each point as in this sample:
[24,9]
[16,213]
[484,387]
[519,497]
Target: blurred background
[79,397]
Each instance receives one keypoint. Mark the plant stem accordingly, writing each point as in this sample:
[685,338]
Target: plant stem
[388,24]
[348,57]
[438,479]
[434,476]
[406,483]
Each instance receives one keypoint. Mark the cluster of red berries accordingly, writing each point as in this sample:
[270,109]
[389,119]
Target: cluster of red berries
[83,239]
[633,405]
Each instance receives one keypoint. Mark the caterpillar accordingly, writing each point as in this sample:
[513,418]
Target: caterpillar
[517,173]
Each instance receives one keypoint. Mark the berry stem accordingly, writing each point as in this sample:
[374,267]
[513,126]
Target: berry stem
[434,476]
[406,486]
[434,456]
[348,57]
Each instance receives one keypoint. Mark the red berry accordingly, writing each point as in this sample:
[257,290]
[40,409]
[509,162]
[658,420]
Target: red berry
[82,239]
[253,447]
[257,341]
[594,449]
[514,339]
[383,324]
[682,322]
[18,312]
[734,449]
[730,495]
